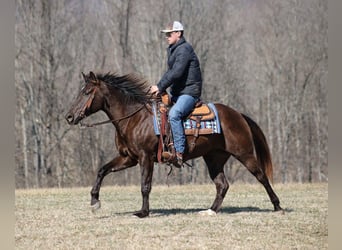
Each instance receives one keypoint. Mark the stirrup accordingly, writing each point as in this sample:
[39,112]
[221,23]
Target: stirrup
[172,159]
[167,156]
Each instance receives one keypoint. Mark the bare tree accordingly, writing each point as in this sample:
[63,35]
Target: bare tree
[271,66]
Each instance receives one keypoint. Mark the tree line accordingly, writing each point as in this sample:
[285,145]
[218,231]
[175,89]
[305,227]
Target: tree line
[265,58]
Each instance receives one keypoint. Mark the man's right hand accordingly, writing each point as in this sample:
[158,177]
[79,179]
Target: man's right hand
[154,90]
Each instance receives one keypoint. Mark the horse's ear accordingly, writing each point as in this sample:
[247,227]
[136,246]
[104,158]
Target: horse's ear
[92,76]
[84,77]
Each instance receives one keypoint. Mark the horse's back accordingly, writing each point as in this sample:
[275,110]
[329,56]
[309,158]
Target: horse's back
[229,116]
[235,129]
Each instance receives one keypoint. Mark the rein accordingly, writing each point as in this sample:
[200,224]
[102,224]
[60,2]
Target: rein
[89,125]
[88,104]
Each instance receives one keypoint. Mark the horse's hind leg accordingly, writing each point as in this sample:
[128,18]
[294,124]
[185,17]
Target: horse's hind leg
[215,162]
[117,164]
[251,163]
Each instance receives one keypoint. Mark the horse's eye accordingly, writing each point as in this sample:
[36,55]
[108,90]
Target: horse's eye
[87,91]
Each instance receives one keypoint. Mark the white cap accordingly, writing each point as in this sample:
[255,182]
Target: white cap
[175,26]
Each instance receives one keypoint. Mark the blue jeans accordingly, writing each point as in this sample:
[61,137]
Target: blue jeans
[180,110]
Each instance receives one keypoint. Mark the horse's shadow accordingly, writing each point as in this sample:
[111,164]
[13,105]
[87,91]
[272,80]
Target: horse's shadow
[224,210]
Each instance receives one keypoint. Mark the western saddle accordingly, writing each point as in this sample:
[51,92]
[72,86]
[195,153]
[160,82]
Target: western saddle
[166,150]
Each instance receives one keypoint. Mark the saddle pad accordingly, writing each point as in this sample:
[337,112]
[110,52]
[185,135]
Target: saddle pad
[207,127]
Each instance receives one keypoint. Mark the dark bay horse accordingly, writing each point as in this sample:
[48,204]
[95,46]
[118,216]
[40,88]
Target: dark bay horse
[127,102]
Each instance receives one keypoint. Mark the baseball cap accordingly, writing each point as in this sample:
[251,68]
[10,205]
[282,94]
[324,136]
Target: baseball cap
[175,26]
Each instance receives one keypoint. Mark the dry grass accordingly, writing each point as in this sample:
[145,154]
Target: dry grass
[61,219]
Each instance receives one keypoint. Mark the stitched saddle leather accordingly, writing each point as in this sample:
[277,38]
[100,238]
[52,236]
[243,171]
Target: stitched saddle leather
[203,112]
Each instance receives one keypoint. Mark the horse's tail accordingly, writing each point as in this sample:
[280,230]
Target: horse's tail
[261,148]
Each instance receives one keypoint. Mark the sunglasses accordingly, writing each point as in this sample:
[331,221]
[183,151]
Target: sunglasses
[168,34]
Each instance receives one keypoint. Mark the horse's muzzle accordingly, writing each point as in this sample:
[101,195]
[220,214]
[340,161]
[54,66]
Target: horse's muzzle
[70,118]
[74,119]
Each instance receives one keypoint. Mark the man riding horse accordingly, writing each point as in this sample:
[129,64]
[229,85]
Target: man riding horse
[185,81]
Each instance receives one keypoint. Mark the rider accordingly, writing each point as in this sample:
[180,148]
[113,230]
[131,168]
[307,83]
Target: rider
[185,81]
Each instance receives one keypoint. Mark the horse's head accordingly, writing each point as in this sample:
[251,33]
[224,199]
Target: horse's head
[87,102]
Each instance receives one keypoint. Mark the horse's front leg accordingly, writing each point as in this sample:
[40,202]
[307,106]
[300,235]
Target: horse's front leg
[117,164]
[146,167]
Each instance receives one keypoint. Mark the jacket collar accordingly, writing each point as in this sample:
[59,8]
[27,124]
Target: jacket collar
[174,46]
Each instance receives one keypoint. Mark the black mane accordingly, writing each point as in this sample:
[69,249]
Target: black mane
[134,88]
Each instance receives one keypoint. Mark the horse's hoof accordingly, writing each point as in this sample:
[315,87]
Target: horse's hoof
[95,206]
[278,208]
[209,212]
[141,214]
[280,211]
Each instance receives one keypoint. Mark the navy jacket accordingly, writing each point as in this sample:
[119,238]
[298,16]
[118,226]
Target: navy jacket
[184,73]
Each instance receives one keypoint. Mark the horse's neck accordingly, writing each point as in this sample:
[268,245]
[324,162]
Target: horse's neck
[120,113]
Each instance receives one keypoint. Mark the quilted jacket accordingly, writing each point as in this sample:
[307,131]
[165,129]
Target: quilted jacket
[184,74]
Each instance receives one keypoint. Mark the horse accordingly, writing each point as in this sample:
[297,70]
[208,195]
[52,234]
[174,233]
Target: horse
[126,100]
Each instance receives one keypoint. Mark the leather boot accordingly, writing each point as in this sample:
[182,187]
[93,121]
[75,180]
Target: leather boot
[179,157]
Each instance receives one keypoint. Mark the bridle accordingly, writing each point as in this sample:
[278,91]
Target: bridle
[89,125]
[88,104]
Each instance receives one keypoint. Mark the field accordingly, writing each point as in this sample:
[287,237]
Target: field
[62,219]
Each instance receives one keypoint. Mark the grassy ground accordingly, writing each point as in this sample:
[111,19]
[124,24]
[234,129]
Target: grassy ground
[62,219]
